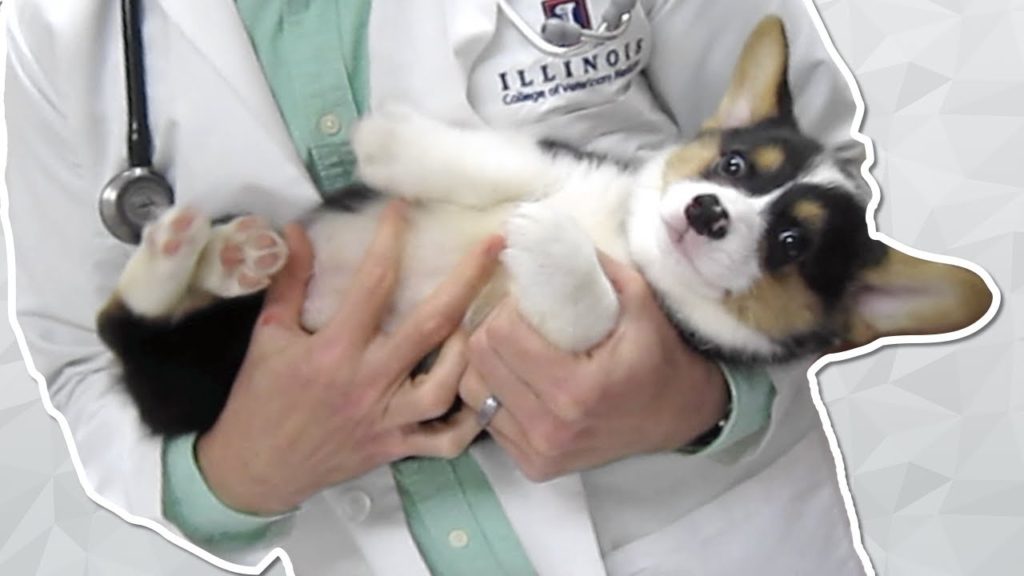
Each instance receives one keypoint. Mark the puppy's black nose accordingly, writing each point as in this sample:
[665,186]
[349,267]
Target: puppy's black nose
[708,217]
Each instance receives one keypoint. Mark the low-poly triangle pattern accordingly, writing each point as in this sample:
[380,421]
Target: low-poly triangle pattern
[937,469]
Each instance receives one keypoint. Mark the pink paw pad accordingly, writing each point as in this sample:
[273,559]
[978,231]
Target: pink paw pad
[252,252]
[172,231]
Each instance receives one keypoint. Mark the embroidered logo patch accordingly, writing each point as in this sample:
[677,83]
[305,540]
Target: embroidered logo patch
[568,10]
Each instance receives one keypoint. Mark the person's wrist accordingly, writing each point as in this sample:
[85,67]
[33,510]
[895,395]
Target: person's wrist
[236,481]
[710,401]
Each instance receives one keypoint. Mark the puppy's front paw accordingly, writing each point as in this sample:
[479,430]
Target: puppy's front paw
[556,277]
[387,145]
[241,257]
[157,275]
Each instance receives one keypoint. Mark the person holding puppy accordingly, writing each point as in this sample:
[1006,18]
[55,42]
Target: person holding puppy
[642,455]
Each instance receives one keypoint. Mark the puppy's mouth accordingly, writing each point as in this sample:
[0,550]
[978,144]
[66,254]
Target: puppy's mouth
[678,229]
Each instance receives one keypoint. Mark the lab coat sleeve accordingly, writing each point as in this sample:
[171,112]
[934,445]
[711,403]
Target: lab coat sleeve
[65,267]
[58,256]
[695,45]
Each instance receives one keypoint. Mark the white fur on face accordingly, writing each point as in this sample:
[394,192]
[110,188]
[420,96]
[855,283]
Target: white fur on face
[826,174]
[729,264]
[693,273]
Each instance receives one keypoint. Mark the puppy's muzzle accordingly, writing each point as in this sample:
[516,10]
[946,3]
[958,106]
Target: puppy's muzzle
[708,217]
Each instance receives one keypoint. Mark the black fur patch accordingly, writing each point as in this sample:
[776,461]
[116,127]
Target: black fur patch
[179,373]
[351,198]
[798,150]
[841,249]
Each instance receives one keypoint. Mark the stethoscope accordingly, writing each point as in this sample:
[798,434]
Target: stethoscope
[564,37]
[140,193]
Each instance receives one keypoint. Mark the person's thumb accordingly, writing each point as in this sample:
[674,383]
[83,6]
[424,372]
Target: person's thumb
[624,278]
[287,292]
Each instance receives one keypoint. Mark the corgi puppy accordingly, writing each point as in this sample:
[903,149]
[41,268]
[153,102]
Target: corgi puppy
[753,236]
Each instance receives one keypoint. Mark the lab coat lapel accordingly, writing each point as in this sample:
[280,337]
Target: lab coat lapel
[470,26]
[399,73]
[216,29]
[372,508]
[551,519]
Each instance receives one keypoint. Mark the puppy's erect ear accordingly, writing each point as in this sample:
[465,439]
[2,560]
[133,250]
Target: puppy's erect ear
[904,295]
[759,89]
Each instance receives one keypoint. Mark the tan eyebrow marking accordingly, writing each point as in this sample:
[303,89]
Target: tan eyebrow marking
[810,212]
[691,160]
[769,158]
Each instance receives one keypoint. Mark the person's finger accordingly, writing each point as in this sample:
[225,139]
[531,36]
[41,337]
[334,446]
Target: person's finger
[442,439]
[442,312]
[430,395]
[474,392]
[369,294]
[527,459]
[523,350]
[282,305]
[504,381]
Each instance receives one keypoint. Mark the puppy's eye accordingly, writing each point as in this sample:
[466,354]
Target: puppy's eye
[793,243]
[734,165]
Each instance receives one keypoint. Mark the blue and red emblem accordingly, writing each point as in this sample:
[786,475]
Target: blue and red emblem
[568,10]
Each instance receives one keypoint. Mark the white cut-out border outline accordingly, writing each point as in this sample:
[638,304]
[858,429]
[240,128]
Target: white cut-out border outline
[812,371]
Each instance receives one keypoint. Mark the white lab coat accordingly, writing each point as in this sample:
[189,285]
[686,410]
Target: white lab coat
[770,507]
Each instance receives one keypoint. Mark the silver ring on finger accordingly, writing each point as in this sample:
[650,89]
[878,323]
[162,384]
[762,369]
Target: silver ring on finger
[487,411]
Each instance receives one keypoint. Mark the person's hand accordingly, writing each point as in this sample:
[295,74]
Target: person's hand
[640,391]
[311,410]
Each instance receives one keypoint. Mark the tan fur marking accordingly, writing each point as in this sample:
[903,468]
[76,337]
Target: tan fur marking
[811,213]
[691,160]
[779,305]
[769,158]
[933,298]
[753,93]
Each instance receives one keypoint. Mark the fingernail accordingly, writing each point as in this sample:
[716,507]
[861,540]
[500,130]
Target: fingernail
[495,244]
[291,229]
[399,208]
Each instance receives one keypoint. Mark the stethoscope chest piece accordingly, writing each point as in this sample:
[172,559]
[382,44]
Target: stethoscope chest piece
[132,199]
[561,37]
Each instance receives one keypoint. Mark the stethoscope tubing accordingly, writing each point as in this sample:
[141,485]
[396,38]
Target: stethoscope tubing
[140,146]
[137,195]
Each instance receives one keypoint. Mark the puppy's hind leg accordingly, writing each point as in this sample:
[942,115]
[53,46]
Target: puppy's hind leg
[557,280]
[155,282]
[240,258]
[180,321]
[183,262]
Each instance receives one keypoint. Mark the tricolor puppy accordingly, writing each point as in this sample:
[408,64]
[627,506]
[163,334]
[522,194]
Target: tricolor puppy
[753,236]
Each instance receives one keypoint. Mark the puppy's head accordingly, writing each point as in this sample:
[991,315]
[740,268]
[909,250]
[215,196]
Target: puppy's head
[755,235]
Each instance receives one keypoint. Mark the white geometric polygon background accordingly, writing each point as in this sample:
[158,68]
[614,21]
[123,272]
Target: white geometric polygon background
[933,436]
